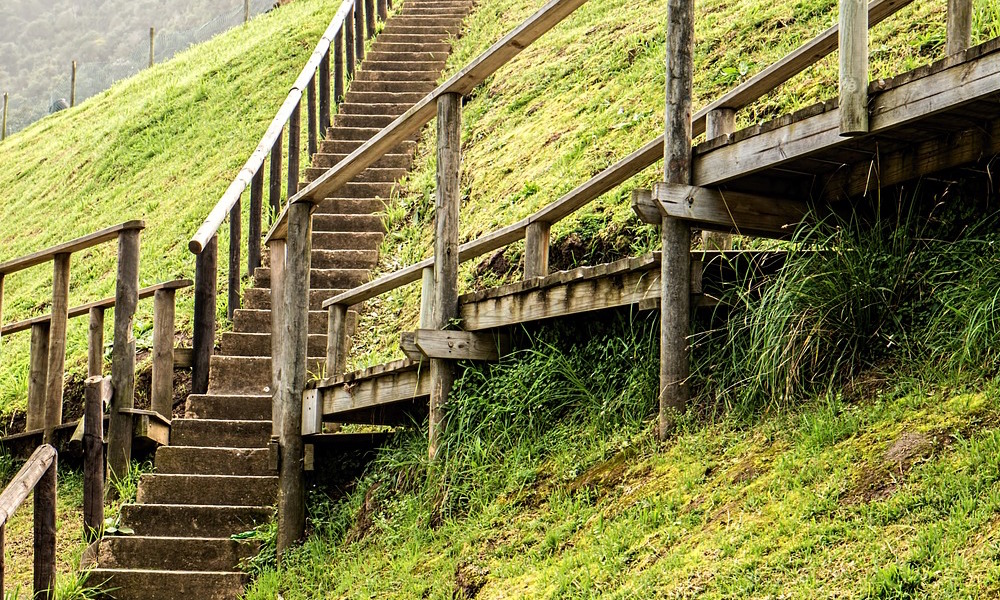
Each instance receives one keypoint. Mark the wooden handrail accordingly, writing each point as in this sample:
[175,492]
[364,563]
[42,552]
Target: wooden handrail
[646,156]
[84,309]
[81,243]
[38,475]
[24,482]
[423,111]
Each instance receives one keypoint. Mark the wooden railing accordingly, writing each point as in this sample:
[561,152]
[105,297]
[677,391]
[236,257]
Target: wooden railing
[344,42]
[48,348]
[38,475]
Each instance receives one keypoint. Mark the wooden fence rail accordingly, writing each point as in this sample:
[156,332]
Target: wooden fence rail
[355,20]
[38,475]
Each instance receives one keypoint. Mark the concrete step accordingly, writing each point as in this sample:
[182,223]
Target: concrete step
[195,460]
[135,584]
[376,174]
[389,161]
[351,206]
[259,344]
[451,22]
[433,11]
[439,57]
[351,133]
[259,321]
[228,490]
[414,37]
[422,32]
[366,189]
[382,45]
[217,406]
[394,87]
[379,121]
[346,259]
[251,375]
[261,298]
[175,520]
[379,108]
[348,223]
[347,146]
[407,76]
[222,433]
[371,64]
[322,278]
[166,553]
[347,239]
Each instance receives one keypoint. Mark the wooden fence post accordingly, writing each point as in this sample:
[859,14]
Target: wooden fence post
[295,331]
[675,268]
[45,534]
[383,10]
[95,342]
[338,73]
[294,148]
[152,46]
[206,272]
[336,340]
[72,86]
[426,297]
[446,209]
[57,345]
[246,11]
[162,387]
[324,85]
[37,376]
[959,33]
[276,248]
[93,459]
[349,44]
[853,67]
[370,18]
[359,30]
[274,183]
[3,125]
[235,247]
[536,250]
[719,122]
[311,106]
[254,226]
[123,355]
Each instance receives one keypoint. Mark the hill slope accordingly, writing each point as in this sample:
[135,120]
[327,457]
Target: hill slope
[161,146]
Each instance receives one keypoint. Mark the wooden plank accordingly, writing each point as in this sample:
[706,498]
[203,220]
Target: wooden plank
[93,460]
[206,288]
[958,31]
[463,82]
[37,376]
[720,122]
[235,246]
[644,207]
[387,389]
[408,344]
[745,214]
[536,250]
[56,369]
[276,250]
[84,309]
[81,243]
[95,342]
[149,430]
[312,413]
[459,345]
[17,491]
[45,534]
[336,340]
[162,384]
[853,68]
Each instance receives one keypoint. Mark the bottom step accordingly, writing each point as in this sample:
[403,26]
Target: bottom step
[129,584]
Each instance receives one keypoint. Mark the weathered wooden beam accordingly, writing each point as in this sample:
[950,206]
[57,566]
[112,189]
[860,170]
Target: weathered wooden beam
[235,247]
[336,340]
[349,42]
[162,385]
[359,30]
[255,225]
[408,344]
[311,116]
[742,213]
[396,387]
[460,345]
[959,26]
[70,247]
[93,459]
[45,533]
[719,122]
[274,175]
[536,250]
[123,357]
[426,297]
[853,67]
[276,249]
[294,149]
[312,412]
[95,342]
[37,376]
[56,369]
[448,200]
[205,299]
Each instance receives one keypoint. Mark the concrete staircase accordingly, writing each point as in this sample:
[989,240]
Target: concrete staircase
[213,480]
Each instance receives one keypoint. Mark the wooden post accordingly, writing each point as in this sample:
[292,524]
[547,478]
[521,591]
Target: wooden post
[3,126]
[93,460]
[359,30]
[254,224]
[95,343]
[274,183]
[276,249]
[311,107]
[45,534]
[3,549]
[426,297]
[72,86]
[246,11]
[370,18]
[294,148]
[718,122]
[206,272]
[324,86]
[536,250]
[1,320]
[959,33]
[853,67]
[235,243]
[295,334]
[675,269]
[123,355]
[57,345]
[349,44]
[162,386]
[383,10]
[447,202]
[152,46]
[336,340]
[338,74]
[37,376]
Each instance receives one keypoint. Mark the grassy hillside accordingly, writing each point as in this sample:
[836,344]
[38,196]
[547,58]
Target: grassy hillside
[161,146]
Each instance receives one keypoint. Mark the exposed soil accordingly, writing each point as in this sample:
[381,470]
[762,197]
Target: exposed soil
[364,521]
[878,482]
[469,579]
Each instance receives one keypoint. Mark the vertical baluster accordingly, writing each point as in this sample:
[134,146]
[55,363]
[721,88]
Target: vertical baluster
[235,248]
[45,534]
[853,67]
[162,387]
[349,43]
[276,249]
[93,459]
[123,354]
[254,226]
[57,345]
[718,122]
[38,376]
[959,32]
[383,10]
[294,147]
[370,18]
[95,342]
[359,30]
[536,250]
[274,184]
[336,340]
[206,273]
[338,72]
[311,105]
[3,550]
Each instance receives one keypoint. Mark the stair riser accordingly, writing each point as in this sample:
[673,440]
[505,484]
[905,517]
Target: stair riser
[322,278]
[383,45]
[428,31]
[405,66]
[347,146]
[161,585]
[179,460]
[351,206]
[378,87]
[244,408]
[348,223]
[260,298]
[188,489]
[398,76]
[174,554]
[358,97]
[399,37]
[242,375]
[259,321]
[344,259]
[449,22]
[389,161]
[363,121]
[223,434]
[436,57]
[361,240]
[365,189]
[259,344]
[193,521]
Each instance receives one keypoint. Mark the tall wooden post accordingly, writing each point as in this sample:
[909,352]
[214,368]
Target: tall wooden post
[675,268]
[338,75]
[359,30]
[370,18]
[152,46]
[274,182]
[294,147]
[276,249]
[57,345]
[719,122]
[311,115]
[447,203]
[72,86]
[45,534]
[959,32]
[324,84]
[37,376]
[3,125]
[95,342]
[536,250]
[853,67]
[235,247]
[123,355]
[349,45]
[292,379]
[206,269]
[254,226]
[162,387]
[93,459]
[336,340]
[383,10]
[426,297]
[246,11]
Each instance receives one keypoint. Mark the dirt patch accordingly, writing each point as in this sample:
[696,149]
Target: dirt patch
[602,477]
[364,522]
[745,472]
[878,482]
[469,579]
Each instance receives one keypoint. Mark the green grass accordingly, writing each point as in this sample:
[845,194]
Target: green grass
[161,146]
